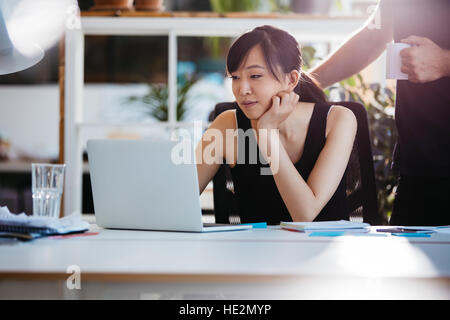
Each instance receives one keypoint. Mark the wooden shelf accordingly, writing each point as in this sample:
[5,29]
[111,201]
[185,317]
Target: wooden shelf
[24,166]
[206,14]
[142,124]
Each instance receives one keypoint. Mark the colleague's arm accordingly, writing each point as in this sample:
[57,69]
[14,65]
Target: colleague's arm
[211,150]
[305,199]
[363,47]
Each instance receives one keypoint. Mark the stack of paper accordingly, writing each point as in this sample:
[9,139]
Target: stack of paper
[342,225]
[39,226]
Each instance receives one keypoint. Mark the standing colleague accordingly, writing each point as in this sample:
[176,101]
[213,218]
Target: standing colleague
[422,109]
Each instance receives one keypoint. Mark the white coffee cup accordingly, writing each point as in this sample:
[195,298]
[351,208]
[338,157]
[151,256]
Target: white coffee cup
[394,61]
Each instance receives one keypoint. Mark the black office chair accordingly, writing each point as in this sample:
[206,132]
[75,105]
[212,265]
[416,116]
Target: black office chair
[360,178]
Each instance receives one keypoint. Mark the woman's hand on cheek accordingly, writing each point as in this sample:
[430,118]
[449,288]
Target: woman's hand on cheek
[282,106]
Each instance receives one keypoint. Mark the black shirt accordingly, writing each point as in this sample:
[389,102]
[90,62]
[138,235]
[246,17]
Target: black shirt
[422,111]
[258,198]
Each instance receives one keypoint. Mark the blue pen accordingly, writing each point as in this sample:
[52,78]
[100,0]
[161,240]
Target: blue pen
[256,225]
[327,234]
[412,235]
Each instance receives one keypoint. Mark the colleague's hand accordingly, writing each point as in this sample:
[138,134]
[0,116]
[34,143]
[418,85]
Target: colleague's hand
[282,106]
[425,61]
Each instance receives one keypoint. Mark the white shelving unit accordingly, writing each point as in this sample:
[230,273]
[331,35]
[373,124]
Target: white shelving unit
[304,28]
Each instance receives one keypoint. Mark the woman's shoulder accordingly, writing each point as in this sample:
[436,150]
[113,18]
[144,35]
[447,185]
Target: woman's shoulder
[225,120]
[340,118]
[341,111]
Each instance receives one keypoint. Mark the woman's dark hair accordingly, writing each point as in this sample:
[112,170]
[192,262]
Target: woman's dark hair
[280,50]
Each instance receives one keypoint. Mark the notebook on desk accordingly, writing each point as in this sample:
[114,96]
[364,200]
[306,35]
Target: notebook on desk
[137,185]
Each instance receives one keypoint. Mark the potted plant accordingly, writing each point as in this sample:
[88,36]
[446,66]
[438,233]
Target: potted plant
[222,6]
[112,5]
[311,6]
[152,5]
[157,97]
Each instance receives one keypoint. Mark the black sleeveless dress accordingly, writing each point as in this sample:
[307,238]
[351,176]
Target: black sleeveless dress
[258,198]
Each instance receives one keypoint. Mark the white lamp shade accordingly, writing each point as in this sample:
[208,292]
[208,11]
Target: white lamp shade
[16,57]
[20,57]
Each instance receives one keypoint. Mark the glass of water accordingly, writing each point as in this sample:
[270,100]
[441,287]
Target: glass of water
[47,182]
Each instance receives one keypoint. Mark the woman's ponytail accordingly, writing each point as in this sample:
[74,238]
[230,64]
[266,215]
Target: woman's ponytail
[308,89]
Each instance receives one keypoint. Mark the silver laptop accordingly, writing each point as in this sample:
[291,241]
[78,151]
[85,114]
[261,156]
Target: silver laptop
[137,185]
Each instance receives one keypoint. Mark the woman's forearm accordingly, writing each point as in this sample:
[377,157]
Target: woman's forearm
[298,197]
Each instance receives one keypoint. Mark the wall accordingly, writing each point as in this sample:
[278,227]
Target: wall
[29,116]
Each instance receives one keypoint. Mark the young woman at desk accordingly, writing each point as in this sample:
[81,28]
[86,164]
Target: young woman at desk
[304,145]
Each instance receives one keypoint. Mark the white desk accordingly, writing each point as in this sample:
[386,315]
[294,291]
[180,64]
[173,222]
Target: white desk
[260,263]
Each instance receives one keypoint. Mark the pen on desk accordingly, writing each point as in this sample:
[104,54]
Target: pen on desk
[257,225]
[392,230]
[412,235]
[404,230]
